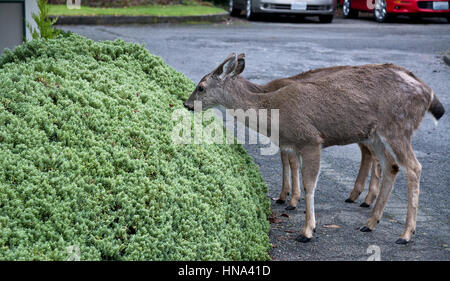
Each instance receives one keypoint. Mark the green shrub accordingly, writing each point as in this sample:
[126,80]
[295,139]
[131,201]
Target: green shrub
[44,23]
[86,160]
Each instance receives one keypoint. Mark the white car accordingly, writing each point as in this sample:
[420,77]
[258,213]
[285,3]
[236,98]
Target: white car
[253,8]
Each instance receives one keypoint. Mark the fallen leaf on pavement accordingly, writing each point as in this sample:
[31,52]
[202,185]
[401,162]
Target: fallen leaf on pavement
[331,226]
[275,220]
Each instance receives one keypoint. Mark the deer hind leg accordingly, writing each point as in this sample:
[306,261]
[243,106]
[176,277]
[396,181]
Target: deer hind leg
[286,184]
[390,170]
[413,171]
[310,173]
[374,183]
[364,168]
[295,163]
[404,155]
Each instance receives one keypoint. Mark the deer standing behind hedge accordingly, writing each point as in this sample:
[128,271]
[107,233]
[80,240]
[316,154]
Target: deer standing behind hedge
[368,158]
[378,106]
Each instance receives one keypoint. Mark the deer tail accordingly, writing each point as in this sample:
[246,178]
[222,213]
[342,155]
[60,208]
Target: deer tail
[436,108]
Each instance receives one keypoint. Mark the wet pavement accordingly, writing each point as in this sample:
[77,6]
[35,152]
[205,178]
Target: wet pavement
[284,48]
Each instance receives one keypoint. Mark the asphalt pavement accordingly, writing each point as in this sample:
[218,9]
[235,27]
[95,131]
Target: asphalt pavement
[282,48]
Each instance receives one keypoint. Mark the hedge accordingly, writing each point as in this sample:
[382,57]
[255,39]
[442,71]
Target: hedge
[87,161]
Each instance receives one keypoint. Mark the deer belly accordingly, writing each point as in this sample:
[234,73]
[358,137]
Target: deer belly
[346,134]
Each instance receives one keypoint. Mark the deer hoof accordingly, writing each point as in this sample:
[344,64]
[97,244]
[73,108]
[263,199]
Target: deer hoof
[279,201]
[348,200]
[401,241]
[365,229]
[290,208]
[364,205]
[302,238]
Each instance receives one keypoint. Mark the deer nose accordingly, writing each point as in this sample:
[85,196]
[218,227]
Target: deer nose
[187,106]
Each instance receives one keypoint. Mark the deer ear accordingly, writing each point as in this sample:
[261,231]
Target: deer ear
[240,65]
[226,67]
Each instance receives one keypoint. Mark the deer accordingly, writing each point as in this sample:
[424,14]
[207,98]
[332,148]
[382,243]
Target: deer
[377,105]
[368,158]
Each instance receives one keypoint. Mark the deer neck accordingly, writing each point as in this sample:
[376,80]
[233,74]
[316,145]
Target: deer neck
[252,87]
[242,94]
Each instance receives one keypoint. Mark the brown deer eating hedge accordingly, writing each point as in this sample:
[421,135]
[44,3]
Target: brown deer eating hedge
[376,106]
[368,158]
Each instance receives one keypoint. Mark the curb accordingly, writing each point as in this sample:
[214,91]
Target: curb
[447,59]
[93,20]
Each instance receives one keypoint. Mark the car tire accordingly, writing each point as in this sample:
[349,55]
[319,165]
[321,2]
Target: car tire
[326,18]
[232,10]
[448,19]
[347,11]
[380,13]
[249,14]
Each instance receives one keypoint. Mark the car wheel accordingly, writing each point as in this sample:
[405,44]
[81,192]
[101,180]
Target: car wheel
[233,11]
[348,11]
[448,19]
[249,14]
[379,12]
[326,18]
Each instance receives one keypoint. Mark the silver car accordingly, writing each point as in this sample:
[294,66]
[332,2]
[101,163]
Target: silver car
[253,8]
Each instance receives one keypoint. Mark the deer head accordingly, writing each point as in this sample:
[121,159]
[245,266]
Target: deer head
[212,90]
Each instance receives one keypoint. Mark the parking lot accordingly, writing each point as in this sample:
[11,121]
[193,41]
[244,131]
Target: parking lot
[283,47]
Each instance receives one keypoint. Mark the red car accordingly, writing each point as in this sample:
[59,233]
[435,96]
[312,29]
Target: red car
[383,9]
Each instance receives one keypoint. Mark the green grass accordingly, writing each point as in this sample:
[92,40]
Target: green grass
[153,10]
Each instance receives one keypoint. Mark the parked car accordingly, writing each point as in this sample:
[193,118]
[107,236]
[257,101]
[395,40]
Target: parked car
[384,9]
[254,8]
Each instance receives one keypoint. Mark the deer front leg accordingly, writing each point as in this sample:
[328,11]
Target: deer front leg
[286,184]
[374,183]
[295,164]
[310,173]
[364,168]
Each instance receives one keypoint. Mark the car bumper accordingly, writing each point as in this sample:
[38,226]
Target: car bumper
[313,7]
[415,6]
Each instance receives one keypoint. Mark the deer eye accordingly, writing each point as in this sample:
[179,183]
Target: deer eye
[200,88]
